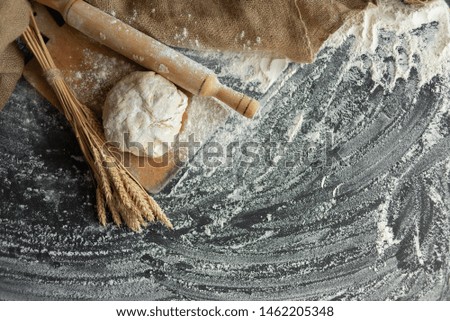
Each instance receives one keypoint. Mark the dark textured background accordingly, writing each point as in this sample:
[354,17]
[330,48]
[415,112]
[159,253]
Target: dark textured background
[264,231]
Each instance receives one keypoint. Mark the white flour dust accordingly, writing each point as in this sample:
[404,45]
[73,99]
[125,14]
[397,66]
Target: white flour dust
[392,40]
[273,230]
[255,72]
[261,69]
[392,29]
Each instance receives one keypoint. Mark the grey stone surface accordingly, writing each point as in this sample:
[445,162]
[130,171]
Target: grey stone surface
[355,206]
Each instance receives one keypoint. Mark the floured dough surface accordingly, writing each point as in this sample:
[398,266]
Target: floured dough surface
[143,113]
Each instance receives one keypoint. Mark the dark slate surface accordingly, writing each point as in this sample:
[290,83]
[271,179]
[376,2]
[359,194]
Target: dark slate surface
[372,222]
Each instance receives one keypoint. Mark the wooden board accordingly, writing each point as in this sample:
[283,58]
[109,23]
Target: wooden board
[92,70]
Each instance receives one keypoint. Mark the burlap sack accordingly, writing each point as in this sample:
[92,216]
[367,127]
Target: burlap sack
[417,2]
[14,17]
[289,28]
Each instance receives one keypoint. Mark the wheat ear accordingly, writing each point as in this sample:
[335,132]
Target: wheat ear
[117,189]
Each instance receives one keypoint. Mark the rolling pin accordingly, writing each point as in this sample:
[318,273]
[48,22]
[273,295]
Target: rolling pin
[150,53]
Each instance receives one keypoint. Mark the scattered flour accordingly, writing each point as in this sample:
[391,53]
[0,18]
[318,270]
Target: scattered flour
[204,116]
[430,55]
[255,71]
[238,259]
[98,74]
[182,35]
[385,233]
[257,68]
[405,45]
[295,128]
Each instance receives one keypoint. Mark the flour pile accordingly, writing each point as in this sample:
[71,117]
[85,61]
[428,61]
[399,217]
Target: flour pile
[391,30]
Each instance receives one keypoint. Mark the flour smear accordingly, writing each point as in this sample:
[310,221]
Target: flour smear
[390,41]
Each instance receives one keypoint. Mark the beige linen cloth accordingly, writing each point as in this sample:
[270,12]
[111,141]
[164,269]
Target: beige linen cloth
[286,28]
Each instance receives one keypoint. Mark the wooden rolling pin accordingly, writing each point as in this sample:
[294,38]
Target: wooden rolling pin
[150,53]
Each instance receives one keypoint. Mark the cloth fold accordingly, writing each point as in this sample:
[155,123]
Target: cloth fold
[295,29]
[14,18]
[286,28]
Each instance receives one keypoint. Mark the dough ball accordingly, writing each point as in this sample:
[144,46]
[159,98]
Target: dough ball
[143,112]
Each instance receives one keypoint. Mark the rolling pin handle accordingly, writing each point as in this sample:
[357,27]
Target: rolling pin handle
[243,104]
[62,6]
[188,75]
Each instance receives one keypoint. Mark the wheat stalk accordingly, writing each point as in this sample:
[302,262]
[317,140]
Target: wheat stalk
[117,189]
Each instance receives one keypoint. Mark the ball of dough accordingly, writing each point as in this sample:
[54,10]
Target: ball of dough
[143,113]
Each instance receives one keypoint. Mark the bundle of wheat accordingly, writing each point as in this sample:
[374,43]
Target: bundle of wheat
[117,189]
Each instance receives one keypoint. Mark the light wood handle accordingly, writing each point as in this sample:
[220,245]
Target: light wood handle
[150,53]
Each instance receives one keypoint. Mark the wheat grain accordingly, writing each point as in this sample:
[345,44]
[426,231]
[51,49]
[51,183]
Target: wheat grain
[117,189]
